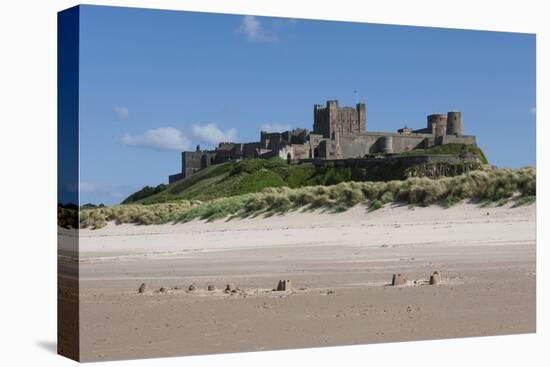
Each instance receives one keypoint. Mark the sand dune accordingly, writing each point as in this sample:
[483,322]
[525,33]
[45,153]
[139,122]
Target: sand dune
[340,266]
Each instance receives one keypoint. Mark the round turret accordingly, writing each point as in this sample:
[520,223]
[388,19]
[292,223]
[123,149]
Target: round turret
[454,123]
[437,124]
[387,144]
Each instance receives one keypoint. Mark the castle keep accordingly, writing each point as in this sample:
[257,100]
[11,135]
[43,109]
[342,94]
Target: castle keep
[338,133]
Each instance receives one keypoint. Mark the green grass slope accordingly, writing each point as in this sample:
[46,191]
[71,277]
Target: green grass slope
[222,180]
[238,178]
[253,175]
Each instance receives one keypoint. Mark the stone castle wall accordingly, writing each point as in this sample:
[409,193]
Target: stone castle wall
[401,167]
[339,133]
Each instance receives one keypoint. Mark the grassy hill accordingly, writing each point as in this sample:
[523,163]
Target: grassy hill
[237,178]
[254,175]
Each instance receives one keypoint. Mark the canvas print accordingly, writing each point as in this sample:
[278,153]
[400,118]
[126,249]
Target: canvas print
[234,183]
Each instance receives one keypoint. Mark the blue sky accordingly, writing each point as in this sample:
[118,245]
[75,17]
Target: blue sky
[153,83]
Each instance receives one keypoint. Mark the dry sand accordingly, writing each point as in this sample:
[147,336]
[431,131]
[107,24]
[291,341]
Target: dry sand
[340,266]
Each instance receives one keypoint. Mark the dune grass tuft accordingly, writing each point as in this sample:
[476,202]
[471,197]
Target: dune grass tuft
[134,213]
[498,187]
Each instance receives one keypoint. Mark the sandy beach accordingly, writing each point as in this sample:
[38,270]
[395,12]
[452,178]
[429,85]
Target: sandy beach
[340,266]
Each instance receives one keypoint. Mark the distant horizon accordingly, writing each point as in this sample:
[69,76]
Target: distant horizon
[154,83]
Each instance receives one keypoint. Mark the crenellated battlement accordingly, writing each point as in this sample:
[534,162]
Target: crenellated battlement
[339,133]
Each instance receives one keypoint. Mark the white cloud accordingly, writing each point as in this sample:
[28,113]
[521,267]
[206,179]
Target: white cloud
[210,133]
[533,110]
[121,112]
[254,30]
[163,138]
[276,127]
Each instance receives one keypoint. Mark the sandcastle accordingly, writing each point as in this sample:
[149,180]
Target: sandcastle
[284,285]
[435,278]
[229,288]
[398,279]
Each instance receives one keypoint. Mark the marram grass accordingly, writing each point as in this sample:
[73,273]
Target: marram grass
[133,213]
[487,187]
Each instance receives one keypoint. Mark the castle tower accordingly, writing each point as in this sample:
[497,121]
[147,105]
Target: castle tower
[437,124]
[329,119]
[332,109]
[454,123]
[320,120]
[361,116]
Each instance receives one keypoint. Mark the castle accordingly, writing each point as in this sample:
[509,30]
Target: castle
[338,133]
